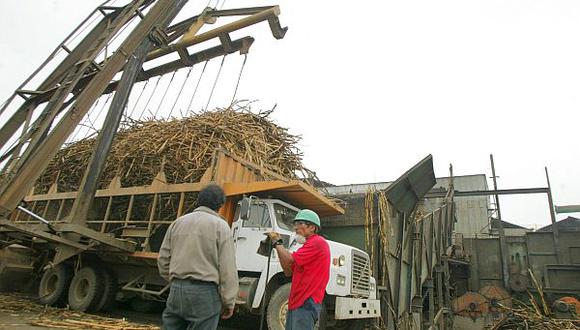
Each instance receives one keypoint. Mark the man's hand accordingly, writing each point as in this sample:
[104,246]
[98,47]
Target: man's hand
[274,237]
[227,312]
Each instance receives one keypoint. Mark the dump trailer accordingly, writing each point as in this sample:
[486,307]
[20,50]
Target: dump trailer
[115,253]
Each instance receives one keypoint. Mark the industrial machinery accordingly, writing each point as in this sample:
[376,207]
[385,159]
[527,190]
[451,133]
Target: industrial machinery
[95,245]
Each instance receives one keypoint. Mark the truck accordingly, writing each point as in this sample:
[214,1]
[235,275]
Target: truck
[116,251]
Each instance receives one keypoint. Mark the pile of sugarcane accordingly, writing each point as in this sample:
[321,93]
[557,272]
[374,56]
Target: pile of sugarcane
[535,314]
[183,148]
[51,317]
[530,316]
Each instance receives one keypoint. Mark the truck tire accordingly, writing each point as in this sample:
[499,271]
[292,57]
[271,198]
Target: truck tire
[86,290]
[110,288]
[54,285]
[278,308]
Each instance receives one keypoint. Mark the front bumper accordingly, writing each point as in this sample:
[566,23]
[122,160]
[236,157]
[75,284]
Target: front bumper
[354,308]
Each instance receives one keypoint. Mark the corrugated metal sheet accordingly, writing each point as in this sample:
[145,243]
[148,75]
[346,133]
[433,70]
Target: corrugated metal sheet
[360,188]
[471,212]
[464,182]
[412,186]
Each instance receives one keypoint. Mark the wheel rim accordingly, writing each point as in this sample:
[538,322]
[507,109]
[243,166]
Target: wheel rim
[51,284]
[81,289]
[283,313]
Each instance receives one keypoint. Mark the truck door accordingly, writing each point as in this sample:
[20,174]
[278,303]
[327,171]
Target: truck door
[248,236]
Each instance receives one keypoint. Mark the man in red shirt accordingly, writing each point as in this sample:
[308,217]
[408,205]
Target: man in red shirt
[309,267]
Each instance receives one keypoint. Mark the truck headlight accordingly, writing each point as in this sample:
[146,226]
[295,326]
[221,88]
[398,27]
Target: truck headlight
[340,280]
[341,260]
[372,287]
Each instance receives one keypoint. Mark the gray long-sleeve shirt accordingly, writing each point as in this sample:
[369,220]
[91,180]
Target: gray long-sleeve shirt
[199,246]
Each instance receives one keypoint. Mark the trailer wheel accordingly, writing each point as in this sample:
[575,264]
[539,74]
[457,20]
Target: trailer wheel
[54,285]
[86,289]
[278,309]
[110,288]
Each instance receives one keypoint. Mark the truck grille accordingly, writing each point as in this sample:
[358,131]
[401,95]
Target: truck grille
[361,273]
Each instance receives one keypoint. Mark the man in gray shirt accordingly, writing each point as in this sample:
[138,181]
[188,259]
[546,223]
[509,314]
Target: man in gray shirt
[198,258]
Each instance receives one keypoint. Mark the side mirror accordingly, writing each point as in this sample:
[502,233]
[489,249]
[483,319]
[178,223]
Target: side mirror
[245,207]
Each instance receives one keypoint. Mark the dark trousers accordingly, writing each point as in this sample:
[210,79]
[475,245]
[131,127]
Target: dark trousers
[192,305]
[304,317]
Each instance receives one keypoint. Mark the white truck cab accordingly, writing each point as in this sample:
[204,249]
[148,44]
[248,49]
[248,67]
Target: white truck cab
[351,290]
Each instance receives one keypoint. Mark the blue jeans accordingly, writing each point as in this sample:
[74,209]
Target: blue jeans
[192,305]
[303,317]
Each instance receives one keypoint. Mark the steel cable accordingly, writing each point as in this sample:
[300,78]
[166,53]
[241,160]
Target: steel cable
[215,82]
[196,86]
[150,97]
[239,78]
[84,122]
[180,90]
[138,99]
[117,35]
[96,118]
[164,94]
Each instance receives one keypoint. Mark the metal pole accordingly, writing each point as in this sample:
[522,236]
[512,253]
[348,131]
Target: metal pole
[567,208]
[264,301]
[503,252]
[104,141]
[399,269]
[555,231]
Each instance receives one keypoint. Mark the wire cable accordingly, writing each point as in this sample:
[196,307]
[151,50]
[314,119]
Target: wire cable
[83,123]
[196,86]
[215,82]
[138,99]
[150,97]
[239,78]
[164,94]
[97,117]
[180,90]
[76,35]
[117,35]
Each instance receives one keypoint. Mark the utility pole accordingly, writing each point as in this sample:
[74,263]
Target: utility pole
[503,252]
[555,231]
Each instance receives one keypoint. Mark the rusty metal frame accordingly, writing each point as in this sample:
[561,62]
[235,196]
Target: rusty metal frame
[139,285]
[31,165]
[29,168]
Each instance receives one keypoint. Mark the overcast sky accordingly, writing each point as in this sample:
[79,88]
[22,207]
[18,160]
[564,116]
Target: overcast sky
[375,87]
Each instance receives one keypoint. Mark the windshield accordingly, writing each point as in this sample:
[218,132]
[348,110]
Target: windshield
[259,217]
[284,217]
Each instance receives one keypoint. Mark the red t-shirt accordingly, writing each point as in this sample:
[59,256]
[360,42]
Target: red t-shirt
[310,272]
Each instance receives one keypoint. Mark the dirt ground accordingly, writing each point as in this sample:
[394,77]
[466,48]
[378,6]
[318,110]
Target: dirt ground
[20,311]
[17,321]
